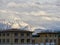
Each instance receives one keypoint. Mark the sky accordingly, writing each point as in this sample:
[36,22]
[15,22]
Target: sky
[35,14]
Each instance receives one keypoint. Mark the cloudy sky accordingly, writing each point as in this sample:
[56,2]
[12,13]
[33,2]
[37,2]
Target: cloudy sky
[44,14]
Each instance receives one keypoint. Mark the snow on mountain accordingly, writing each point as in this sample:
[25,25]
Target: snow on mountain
[13,21]
[38,29]
[42,29]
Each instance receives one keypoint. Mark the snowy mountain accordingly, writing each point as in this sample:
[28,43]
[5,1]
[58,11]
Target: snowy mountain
[12,21]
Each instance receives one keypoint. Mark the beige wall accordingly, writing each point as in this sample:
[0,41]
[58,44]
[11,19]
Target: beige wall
[11,37]
[43,38]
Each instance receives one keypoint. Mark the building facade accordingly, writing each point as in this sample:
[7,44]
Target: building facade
[15,36]
[35,39]
[24,37]
[48,38]
[58,38]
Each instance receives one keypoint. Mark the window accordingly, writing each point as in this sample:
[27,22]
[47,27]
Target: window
[7,40]
[45,35]
[28,40]
[28,34]
[54,40]
[58,35]
[22,40]
[33,41]
[50,35]
[22,34]
[55,35]
[3,40]
[16,34]
[7,34]
[50,40]
[39,35]
[0,40]
[0,34]
[46,40]
[16,41]
[3,34]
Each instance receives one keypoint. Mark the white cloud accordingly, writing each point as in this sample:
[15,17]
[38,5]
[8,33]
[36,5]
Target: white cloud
[39,27]
[47,18]
[9,11]
[13,4]
[35,12]
[51,18]
[33,3]
[3,11]
[39,13]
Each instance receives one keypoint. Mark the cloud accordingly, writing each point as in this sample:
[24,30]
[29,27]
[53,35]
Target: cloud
[13,4]
[43,13]
[32,3]
[3,11]
[9,11]
[47,18]
[39,13]
[39,27]
[51,18]
[35,13]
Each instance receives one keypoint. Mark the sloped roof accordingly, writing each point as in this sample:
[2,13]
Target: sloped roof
[48,33]
[15,30]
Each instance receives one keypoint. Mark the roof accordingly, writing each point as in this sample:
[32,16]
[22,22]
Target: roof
[48,33]
[15,30]
[35,35]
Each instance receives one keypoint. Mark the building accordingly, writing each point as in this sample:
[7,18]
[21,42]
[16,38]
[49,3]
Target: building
[35,39]
[15,36]
[24,37]
[58,38]
[48,38]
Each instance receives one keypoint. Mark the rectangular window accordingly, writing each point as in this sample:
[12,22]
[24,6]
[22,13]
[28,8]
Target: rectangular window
[33,41]
[46,40]
[0,40]
[50,35]
[28,40]
[0,34]
[22,40]
[7,34]
[16,41]
[55,40]
[45,35]
[16,34]
[39,35]
[55,35]
[3,34]
[28,34]
[7,40]
[22,34]
[3,40]
[50,40]
[58,35]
